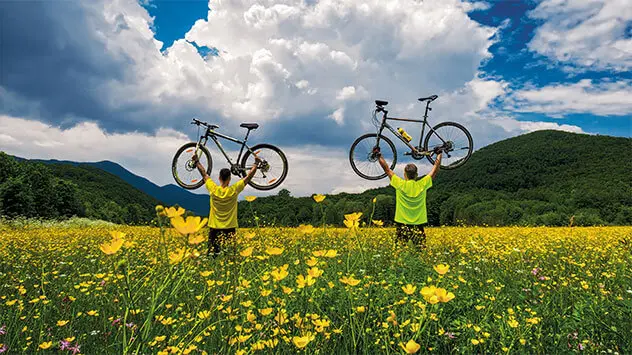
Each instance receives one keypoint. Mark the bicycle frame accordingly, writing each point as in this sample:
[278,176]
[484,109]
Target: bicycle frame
[210,133]
[424,123]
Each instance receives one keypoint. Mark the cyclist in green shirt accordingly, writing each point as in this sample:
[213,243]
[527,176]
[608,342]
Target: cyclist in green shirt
[222,219]
[410,194]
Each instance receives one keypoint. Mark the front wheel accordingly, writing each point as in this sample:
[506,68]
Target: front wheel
[454,139]
[272,170]
[183,168]
[363,160]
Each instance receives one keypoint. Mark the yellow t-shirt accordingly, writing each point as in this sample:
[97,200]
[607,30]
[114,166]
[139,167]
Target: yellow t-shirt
[410,196]
[223,213]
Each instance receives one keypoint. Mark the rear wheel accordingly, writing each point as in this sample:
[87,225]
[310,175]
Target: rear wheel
[456,140]
[184,170]
[273,169]
[363,160]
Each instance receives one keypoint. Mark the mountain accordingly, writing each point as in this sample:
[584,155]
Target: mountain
[59,190]
[540,178]
[168,194]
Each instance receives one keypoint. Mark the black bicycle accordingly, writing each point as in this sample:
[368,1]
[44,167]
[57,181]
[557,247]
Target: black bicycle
[272,168]
[448,137]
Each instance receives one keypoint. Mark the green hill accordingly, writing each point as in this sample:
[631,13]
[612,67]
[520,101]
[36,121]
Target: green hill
[32,189]
[540,178]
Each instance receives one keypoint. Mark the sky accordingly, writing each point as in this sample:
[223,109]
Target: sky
[121,80]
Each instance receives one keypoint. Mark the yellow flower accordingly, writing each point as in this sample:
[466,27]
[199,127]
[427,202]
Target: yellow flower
[302,281]
[226,298]
[475,342]
[411,346]
[312,261]
[301,342]
[374,199]
[160,338]
[250,198]
[409,289]
[177,256]
[189,226]
[251,317]
[523,341]
[360,309]
[92,313]
[117,235]
[287,290]
[45,345]
[351,281]
[279,274]
[513,323]
[319,198]
[306,229]
[265,311]
[351,224]
[274,251]
[246,252]
[442,269]
[61,323]
[378,222]
[172,212]
[330,253]
[314,272]
[111,247]
[204,314]
[353,216]
[196,239]
[443,295]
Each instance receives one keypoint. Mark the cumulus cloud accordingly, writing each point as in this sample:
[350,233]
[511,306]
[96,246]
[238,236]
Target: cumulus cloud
[591,34]
[603,98]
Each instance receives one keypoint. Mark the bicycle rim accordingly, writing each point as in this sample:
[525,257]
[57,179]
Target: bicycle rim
[457,138]
[184,170]
[364,163]
[273,171]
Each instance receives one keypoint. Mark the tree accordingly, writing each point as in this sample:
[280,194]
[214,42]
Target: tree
[66,199]
[16,197]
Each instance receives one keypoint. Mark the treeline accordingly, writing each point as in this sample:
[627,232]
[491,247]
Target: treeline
[59,191]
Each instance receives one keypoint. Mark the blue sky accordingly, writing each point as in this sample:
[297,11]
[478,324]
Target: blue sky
[113,79]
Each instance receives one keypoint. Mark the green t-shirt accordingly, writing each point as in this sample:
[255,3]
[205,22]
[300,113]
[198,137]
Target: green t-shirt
[223,212]
[411,199]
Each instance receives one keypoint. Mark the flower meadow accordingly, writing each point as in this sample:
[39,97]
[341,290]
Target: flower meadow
[152,290]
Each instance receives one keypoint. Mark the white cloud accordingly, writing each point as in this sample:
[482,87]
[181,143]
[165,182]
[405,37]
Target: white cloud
[590,34]
[585,96]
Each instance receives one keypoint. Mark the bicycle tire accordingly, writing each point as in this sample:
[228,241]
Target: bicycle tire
[280,179]
[352,161]
[174,165]
[469,139]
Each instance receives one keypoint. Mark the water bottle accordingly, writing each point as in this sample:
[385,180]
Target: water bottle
[404,134]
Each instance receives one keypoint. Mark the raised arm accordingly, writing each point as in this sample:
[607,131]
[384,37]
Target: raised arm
[252,171]
[436,166]
[384,165]
[199,166]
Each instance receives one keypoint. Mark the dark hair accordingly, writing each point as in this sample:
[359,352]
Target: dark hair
[411,171]
[224,174]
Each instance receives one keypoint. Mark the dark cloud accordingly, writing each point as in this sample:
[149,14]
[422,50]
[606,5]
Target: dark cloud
[50,57]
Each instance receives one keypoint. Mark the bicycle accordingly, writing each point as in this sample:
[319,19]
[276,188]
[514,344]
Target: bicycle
[272,168]
[448,137]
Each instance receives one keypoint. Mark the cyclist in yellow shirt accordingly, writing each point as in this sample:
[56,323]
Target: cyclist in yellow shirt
[410,207]
[222,219]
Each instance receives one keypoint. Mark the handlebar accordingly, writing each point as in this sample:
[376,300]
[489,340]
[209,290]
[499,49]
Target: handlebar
[200,123]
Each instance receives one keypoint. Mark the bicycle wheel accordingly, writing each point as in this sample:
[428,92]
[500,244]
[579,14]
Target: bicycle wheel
[184,170]
[362,160]
[455,138]
[273,170]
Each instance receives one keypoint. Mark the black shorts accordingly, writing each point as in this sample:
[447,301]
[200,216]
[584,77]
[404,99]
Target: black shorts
[412,232]
[217,237]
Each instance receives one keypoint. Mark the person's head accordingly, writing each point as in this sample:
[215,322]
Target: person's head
[224,176]
[410,172]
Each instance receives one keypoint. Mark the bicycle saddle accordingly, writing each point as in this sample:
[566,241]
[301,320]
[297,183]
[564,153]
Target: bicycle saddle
[429,98]
[249,125]
[381,103]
